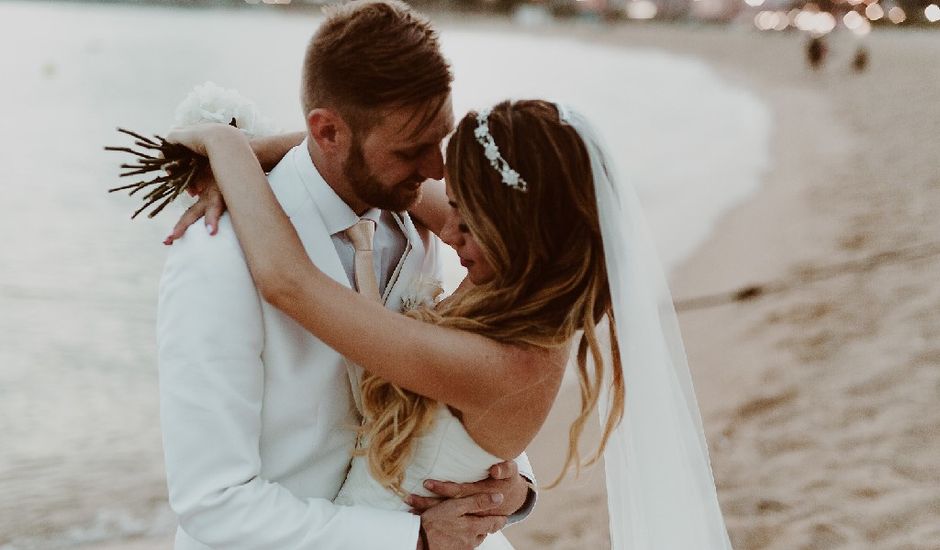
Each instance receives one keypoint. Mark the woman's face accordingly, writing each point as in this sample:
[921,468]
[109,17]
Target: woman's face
[456,234]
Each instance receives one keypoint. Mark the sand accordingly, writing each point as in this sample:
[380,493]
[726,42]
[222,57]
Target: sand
[821,402]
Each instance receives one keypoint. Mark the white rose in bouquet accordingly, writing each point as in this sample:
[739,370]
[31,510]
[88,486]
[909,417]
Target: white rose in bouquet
[210,102]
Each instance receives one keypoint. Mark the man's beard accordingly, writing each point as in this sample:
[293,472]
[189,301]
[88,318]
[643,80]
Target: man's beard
[369,189]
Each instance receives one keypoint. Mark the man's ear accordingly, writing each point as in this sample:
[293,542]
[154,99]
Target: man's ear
[329,130]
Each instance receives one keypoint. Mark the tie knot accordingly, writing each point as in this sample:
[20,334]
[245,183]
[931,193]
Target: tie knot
[361,234]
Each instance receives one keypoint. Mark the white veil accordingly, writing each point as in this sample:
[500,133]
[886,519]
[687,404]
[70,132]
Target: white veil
[660,490]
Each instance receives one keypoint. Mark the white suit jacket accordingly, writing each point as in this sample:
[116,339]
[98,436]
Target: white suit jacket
[257,414]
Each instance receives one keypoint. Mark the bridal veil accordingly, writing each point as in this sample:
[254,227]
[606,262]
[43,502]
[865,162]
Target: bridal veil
[660,489]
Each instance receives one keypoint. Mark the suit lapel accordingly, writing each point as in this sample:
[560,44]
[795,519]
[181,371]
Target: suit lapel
[410,265]
[307,218]
[288,183]
[318,243]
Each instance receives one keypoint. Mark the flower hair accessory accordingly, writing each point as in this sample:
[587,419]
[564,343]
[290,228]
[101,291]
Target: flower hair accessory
[510,177]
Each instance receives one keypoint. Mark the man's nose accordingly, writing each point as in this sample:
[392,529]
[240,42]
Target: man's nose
[432,164]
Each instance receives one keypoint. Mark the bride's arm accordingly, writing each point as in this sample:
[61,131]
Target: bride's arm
[210,206]
[430,212]
[465,370]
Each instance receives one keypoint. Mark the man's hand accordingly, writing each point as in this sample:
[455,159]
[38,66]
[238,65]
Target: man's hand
[460,523]
[504,480]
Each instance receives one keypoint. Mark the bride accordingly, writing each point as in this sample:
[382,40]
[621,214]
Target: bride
[558,259]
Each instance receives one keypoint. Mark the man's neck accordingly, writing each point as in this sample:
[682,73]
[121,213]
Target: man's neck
[333,175]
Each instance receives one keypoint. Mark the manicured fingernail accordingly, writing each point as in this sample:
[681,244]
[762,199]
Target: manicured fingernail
[496,498]
[209,228]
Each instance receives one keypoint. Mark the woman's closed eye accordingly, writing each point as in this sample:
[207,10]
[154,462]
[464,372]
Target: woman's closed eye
[462,227]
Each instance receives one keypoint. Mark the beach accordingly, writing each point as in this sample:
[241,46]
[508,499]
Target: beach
[820,401]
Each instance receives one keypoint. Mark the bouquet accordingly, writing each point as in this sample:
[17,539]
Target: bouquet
[175,166]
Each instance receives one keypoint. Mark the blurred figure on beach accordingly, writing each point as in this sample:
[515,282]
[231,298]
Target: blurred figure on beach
[816,50]
[860,61]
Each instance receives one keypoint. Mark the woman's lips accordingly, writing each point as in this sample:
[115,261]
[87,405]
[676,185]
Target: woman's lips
[466,263]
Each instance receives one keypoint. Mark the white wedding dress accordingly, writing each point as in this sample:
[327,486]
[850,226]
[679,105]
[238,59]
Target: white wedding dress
[445,452]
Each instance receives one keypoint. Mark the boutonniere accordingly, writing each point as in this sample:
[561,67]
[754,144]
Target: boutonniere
[172,168]
[423,291]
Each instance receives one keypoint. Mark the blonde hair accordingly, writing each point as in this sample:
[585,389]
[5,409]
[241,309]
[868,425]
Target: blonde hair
[551,280]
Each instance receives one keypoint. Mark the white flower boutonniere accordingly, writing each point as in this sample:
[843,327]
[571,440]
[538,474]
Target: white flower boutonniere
[424,291]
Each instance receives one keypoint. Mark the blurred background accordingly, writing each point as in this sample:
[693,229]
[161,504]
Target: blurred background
[785,147]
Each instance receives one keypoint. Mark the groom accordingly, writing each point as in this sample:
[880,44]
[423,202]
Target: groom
[258,415]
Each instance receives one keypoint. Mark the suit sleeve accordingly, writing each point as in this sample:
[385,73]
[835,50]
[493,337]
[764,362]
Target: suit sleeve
[210,337]
[525,470]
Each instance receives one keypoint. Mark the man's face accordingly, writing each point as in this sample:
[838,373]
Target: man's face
[387,166]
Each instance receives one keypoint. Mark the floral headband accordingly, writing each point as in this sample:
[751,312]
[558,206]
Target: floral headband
[510,177]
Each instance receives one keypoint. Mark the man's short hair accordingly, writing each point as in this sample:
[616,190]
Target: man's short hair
[374,54]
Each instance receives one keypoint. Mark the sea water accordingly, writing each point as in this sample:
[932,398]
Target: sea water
[80,449]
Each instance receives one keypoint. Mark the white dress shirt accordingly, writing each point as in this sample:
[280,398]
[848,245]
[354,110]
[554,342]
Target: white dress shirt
[388,245]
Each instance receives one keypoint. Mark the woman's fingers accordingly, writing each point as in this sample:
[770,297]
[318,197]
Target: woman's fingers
[210,206]
[213,213]
[215,205]
[191,216]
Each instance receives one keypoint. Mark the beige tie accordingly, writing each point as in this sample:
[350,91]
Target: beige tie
[361,236]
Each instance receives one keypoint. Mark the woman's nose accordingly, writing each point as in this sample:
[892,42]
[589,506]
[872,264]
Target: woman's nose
[450,233]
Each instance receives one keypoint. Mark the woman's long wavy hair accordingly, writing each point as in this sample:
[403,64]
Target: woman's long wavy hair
[551,280]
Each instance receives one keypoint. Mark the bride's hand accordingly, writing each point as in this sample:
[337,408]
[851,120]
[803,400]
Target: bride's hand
[197,137]
[210,207]
[211,204]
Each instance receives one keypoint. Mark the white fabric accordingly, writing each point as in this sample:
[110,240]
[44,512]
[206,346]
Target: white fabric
[446,451]
[257,413]
[661,493]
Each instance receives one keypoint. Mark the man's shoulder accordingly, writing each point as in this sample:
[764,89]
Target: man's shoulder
[207,269]
[198,247]
[286,182]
